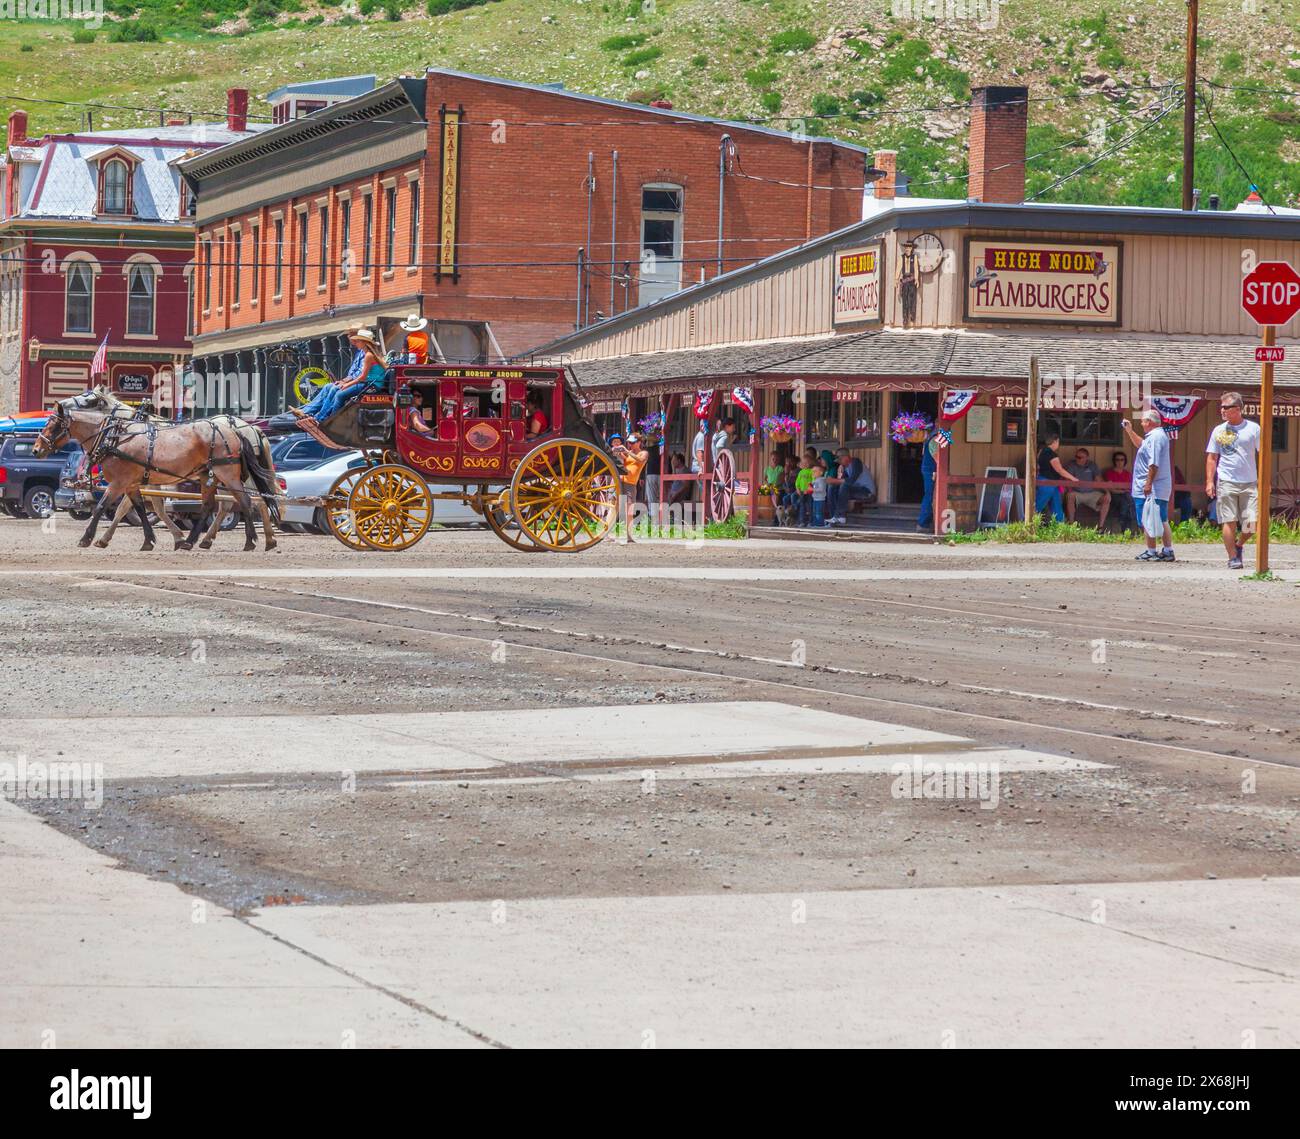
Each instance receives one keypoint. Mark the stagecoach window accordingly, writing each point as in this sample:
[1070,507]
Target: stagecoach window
[140,296]
[862,419]
[115,175]
[79,288]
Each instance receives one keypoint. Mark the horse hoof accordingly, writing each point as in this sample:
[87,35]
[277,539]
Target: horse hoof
[206,544]
[84,543]
[146,548]
[272,544]
[101,544]
[186,546]
[249,547]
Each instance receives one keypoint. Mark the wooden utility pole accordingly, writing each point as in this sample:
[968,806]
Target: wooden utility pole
[1031,441]
[1265,472]
[1189,105]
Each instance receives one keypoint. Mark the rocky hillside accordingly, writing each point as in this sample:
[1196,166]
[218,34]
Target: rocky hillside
[1103,76]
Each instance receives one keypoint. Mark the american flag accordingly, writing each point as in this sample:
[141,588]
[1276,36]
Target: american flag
[99,365]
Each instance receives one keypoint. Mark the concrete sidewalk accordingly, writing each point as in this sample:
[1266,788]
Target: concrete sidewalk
[99,957]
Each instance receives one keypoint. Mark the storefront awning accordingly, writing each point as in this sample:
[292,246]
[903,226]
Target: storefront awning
[884,359]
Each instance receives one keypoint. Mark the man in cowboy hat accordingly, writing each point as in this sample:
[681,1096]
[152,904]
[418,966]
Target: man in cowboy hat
[417,339]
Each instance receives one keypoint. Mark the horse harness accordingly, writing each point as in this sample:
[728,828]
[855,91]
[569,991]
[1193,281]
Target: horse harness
[117,430]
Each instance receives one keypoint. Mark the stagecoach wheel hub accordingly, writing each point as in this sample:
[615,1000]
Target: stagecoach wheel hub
[391,507]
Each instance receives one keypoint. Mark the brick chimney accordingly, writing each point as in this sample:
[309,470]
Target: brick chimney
[17,128]
[887,160]
[237,109]
[998,118]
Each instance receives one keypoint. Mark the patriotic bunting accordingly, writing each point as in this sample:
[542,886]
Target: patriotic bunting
[957,402]
[743,397]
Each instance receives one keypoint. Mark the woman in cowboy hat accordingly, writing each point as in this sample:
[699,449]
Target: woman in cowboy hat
[417,340]
[366,374]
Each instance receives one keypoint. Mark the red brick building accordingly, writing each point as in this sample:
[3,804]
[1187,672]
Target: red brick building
[96,239]
[505,213]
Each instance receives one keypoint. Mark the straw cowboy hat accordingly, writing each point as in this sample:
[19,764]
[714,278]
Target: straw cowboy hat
[364,334]
[414,323]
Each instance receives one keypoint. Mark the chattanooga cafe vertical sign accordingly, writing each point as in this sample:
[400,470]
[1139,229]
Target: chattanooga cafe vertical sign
[448,192]
[857,284]
[1049,282]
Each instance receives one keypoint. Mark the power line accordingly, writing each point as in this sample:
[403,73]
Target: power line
[1105,153]
[1205,104]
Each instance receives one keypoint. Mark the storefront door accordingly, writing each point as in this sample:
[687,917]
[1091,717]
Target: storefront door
[908,484]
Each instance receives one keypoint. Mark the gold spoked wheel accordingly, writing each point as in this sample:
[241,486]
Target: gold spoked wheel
[391,507]
[565,495]
[496,512]
[338,515]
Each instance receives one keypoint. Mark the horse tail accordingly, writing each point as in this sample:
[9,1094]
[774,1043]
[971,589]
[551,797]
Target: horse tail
[259,468]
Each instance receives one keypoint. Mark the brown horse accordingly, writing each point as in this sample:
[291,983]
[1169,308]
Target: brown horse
[132,453]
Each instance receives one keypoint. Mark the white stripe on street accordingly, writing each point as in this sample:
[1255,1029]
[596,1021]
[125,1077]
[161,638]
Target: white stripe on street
[569,572]
[545,740]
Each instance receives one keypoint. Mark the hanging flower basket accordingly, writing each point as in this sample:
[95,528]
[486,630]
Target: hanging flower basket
[652,428]
[910,427]
[780,428]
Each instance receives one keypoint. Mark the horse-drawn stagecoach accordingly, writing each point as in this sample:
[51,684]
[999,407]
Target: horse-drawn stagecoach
[467,427]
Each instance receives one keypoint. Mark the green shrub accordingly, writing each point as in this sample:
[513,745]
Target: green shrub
[392,10]
[645,55]
[622,43]
[83,36]
[26,47]
[868,96]
[699,61]
[263,11]
[771,101]
[366,7]
[442,7]
[825,106]
[793,39]
[763,76]
[134,31]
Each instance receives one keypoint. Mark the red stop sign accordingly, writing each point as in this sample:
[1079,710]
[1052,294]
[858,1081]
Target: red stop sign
[1270,292]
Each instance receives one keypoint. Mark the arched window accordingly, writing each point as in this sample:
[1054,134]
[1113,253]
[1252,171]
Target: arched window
[78,297]
[140,300]
[115,179]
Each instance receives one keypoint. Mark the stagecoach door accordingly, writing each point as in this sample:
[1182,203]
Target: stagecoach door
[485,430]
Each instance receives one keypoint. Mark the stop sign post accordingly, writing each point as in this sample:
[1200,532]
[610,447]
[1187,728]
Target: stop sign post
[1270,294]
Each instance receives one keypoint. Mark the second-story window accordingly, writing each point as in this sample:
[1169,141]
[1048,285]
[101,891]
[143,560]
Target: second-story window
[255,250]
[115,178]
[661,242]
[324,246]
[237,267]
[79,295]
[345,239]
[221,272]
[390,225]
[207,275]
[414,259]
[279,256]
[367,238]
[140,300]
[302,250]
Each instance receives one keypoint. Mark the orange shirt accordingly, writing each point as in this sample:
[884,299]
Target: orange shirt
[417,346]
[632,467]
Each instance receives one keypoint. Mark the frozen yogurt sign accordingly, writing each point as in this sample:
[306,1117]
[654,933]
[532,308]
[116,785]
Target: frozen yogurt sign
[1052,283]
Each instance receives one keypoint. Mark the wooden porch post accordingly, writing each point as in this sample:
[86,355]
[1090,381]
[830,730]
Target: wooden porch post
[940,487]
[1031,440]
[755,459]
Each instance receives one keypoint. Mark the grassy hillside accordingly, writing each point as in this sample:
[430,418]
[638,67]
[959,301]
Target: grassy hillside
[840,67]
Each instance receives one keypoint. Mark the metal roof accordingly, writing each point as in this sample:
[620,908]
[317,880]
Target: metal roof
[345,87]
[673,114]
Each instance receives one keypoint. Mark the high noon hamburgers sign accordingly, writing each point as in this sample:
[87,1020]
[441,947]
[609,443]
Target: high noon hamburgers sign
[857,284]
[1054,283]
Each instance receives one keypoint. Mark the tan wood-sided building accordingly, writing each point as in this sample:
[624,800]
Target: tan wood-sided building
[929,301]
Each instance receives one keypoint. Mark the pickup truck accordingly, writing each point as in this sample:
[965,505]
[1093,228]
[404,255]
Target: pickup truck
[27,484]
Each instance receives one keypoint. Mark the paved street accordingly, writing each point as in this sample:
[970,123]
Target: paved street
[671,795]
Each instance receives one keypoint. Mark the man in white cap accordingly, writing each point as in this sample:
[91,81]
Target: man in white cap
[1153,477]
[417,339]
